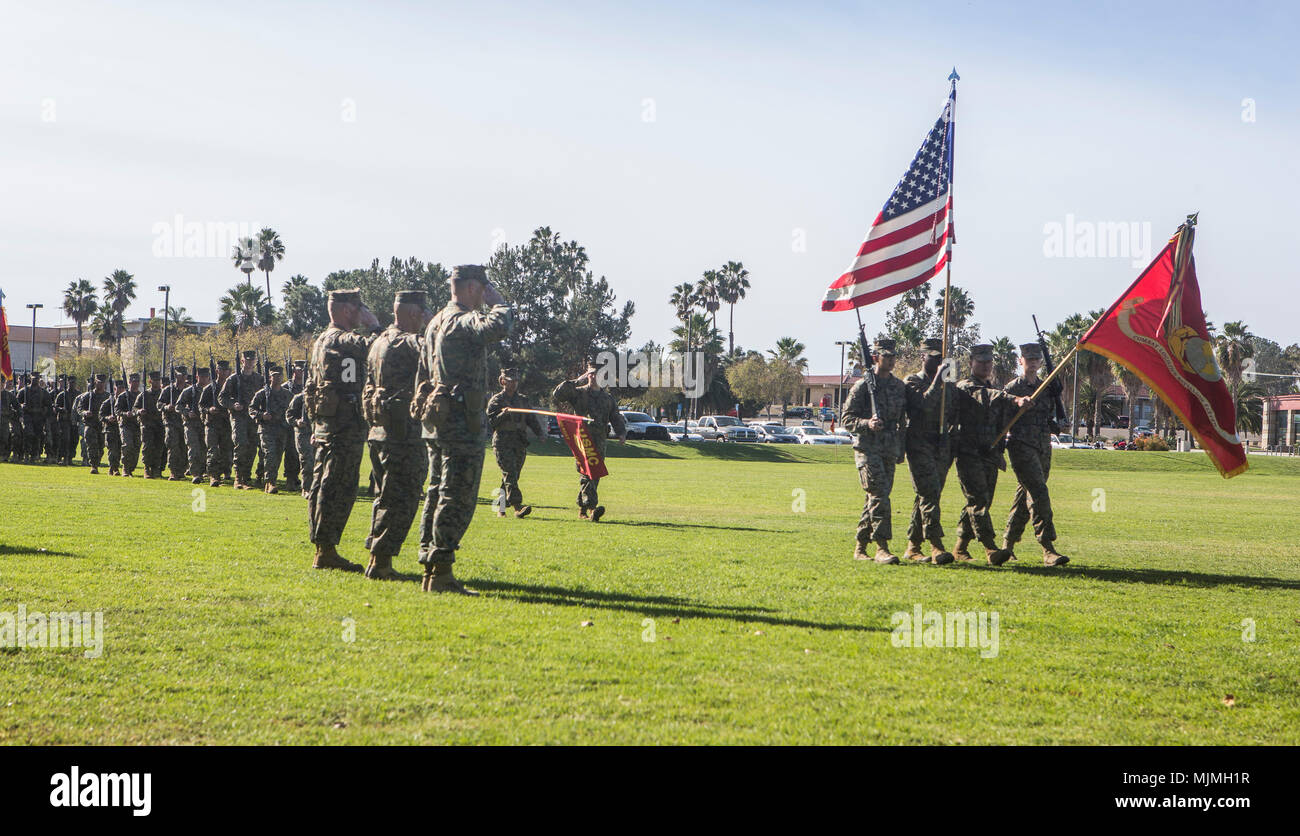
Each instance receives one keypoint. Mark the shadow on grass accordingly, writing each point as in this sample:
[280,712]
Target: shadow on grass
[1162,577]
[657,524]
[5,550]
[657,605]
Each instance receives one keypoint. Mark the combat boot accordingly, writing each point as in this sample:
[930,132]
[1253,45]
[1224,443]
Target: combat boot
[197,480]
[271,488]
[597,513]
[94,470]
[860,553]
[438,577]
[582,514]
[522,511]
[915,554]
[938,554]
[328,557]
[883,554]
[215,483]
[959,550]
[381,568]
[501,512]
[996,556]
[1051,557]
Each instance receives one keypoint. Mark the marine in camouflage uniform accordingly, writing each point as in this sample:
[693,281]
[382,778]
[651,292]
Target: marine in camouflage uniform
[338,371]
[111,425]
[451,398]
[583,396]
[217,434]
[65,445]
[982,411]
[267,411]
[301,427]
[235,396]
[93,432]
[174,425]
[129,424]
[929,453]
[35,404]
[8,401]
[394,436]
[78,427]
[877,447]
[191,415]
[152,439]
[1030,450]
[510,441]
[293,468]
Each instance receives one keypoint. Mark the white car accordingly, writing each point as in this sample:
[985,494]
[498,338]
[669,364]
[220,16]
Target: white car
[775,433]
[816,435]
[692,432]
[642,426]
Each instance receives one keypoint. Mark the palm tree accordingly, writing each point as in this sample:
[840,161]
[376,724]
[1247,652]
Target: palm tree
[119,292]
[244,307]
[270,249]
[1249,399]
[1132,388]
[79,303]
[706,291]
[960,309]
[244,255]
[106,327]
[908,337]
[684,301]
[180,319]
[790,350]
[1233,348]
[1004,359]
[294,282]
[733,282]
[855,357]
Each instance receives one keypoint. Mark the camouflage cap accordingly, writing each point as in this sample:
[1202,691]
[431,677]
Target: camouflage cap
[203,371]
[1031,351]
[272,368]
[510,372]
[349,296]
[121,382]
[100,378]
[223,364]
[932,347]
[155,375]
[133,377]
[412,297]
[467,272]
[983,351]
[250,355]
[179,370]
[299,365]
[884,347]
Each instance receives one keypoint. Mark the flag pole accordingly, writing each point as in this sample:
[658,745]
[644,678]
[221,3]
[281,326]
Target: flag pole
[947,279]
[1037,392]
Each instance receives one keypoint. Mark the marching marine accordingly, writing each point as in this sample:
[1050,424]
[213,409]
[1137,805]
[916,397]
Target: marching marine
[1029,447]
[584,396]
[876,419]
[929,452]
[510,440]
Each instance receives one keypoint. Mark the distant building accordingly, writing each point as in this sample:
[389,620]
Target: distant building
[133,329]
[1281,427]
[20,345]
[827,389]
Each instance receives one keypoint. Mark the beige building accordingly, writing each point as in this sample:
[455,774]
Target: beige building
[20,345]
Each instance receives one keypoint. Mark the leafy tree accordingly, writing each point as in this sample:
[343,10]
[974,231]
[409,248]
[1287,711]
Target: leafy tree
[757,380]
[305,311]
[379,285]
[1132,388]
[79,303]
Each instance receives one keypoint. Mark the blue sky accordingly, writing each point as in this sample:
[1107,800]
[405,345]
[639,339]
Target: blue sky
[771,124]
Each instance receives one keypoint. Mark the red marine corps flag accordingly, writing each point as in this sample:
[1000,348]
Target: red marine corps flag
[576,435]
[6,362]
[1157,330]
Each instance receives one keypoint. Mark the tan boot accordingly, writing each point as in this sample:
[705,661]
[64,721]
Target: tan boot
[438,577]
[915,554]
[271,488]
[328,557]
[938,554]
[215,483]
[381,568]
[522,511]
[996,556]
[883,554]
[1051,557]
[959,550]
[597,513]
[582,514]
[860,553]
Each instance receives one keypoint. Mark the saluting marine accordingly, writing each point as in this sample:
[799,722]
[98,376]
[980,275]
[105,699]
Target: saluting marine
[929,452]
[510,440]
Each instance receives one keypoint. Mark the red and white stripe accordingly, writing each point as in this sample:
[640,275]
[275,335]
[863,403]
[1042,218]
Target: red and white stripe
[898,255]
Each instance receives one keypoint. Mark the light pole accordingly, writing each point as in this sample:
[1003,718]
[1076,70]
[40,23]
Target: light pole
[839,389]
[32,361]
[1074,407]
[167,295]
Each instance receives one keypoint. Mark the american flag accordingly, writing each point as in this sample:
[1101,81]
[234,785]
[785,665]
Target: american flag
[911,239]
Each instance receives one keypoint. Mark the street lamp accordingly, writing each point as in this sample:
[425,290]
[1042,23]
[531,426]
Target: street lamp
[167,295]
[32,360]
[839,390]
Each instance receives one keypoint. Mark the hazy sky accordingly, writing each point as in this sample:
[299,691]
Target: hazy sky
[666,138]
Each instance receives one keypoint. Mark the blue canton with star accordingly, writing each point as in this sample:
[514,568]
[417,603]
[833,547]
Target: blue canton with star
[928,177]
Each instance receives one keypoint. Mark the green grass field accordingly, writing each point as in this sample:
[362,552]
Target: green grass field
[764,630]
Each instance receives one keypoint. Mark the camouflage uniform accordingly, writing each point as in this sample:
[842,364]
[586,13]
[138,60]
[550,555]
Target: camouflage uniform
[982,410]
[6,433]
[129,427]
[929,452]
[1030,450]
[191,416]
[602,408]
[152,438]
[454,356]
[64,444]
[93,431]
[267,410]
[35,402]
[293,469]
[338,369]
[876,452]
[240,388]
[510,442]
[301,428]
[112,431]
[217,434]
[173,427]
[394,438]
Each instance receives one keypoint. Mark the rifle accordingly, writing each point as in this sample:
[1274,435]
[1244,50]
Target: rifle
[1056,388]
[868,374]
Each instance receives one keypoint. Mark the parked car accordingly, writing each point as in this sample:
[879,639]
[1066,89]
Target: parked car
[642,426]
[692,431]
[776,433]
[798,412]
[725,428]
[1062,441]
[816,435]
[1142,432]
[826,414]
